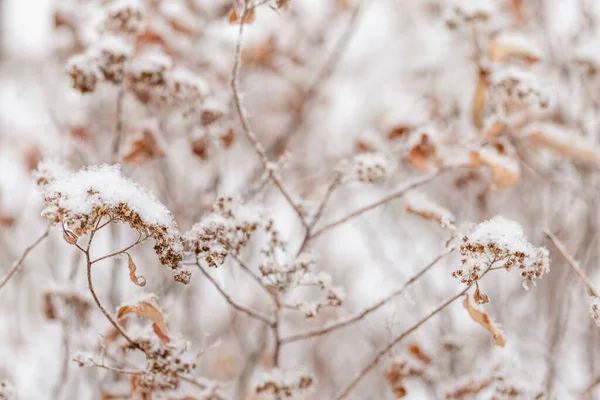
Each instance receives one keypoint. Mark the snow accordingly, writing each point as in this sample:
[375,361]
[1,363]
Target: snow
[110,189]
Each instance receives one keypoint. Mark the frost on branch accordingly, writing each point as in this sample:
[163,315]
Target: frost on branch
[499,242]
[226,230]
[81,199]
[7,391]
[283,383]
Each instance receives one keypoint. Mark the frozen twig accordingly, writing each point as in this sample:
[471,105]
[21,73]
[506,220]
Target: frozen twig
[247,311]
[572,263]
[365,312]
[407,332]
[16,267]
[260,151]
[312,90]
[420,181]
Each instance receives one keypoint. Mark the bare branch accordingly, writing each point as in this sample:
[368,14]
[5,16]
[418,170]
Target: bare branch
[396,195]
[247,311]
[571,261]
[267,165]
[312,90]
[16,267]
[407,332]
[365,312]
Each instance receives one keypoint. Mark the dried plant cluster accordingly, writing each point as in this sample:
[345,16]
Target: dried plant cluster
[362,199]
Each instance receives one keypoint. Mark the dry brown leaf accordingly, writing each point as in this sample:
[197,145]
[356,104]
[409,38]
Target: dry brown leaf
[143,149]
[363,147]
[480,298]
[396,375]
[233,16]
[498,128]
[70,237]
[564,142]
[262,55]
[500,52]
[250,16]
[32,155]
[79,133]
[505,170]
[227,138]
[421,154]
[6,220]
[200,147]
[138,280]
[399,131]
[480,98]
[416,352]
[482,319]
[148,309]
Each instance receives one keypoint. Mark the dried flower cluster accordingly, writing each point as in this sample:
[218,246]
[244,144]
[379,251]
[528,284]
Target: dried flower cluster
[499,242]
[283,383]
[165,364]
[226,230]
[84,199]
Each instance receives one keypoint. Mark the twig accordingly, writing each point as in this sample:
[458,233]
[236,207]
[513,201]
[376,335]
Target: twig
[365,312]
[407,332]
[267,165]
[140,240]
[571,261]
[310,93]
[119,128]
[247,311]
[397,194]
[16,267]
[101,307]
[109,368]
[256,278]
[334,183]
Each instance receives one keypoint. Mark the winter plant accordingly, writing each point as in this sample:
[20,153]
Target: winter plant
[277,199]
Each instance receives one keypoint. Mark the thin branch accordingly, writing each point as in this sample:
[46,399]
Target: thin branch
[267,165]
[109,368]
[325,72]
[126,249]
[256,278]
[101,307]
[247,311]
[16,266]
[365,312]
[407,332]
[119,128]
[571,261]
[397,194]
[334,183]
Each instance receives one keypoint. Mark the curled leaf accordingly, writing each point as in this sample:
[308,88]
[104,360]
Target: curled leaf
[147,308]
[505,169]
[69,236]
[509,46]
[138,280]
[482,319]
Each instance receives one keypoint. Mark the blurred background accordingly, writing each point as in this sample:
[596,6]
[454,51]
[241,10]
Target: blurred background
[424,84]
